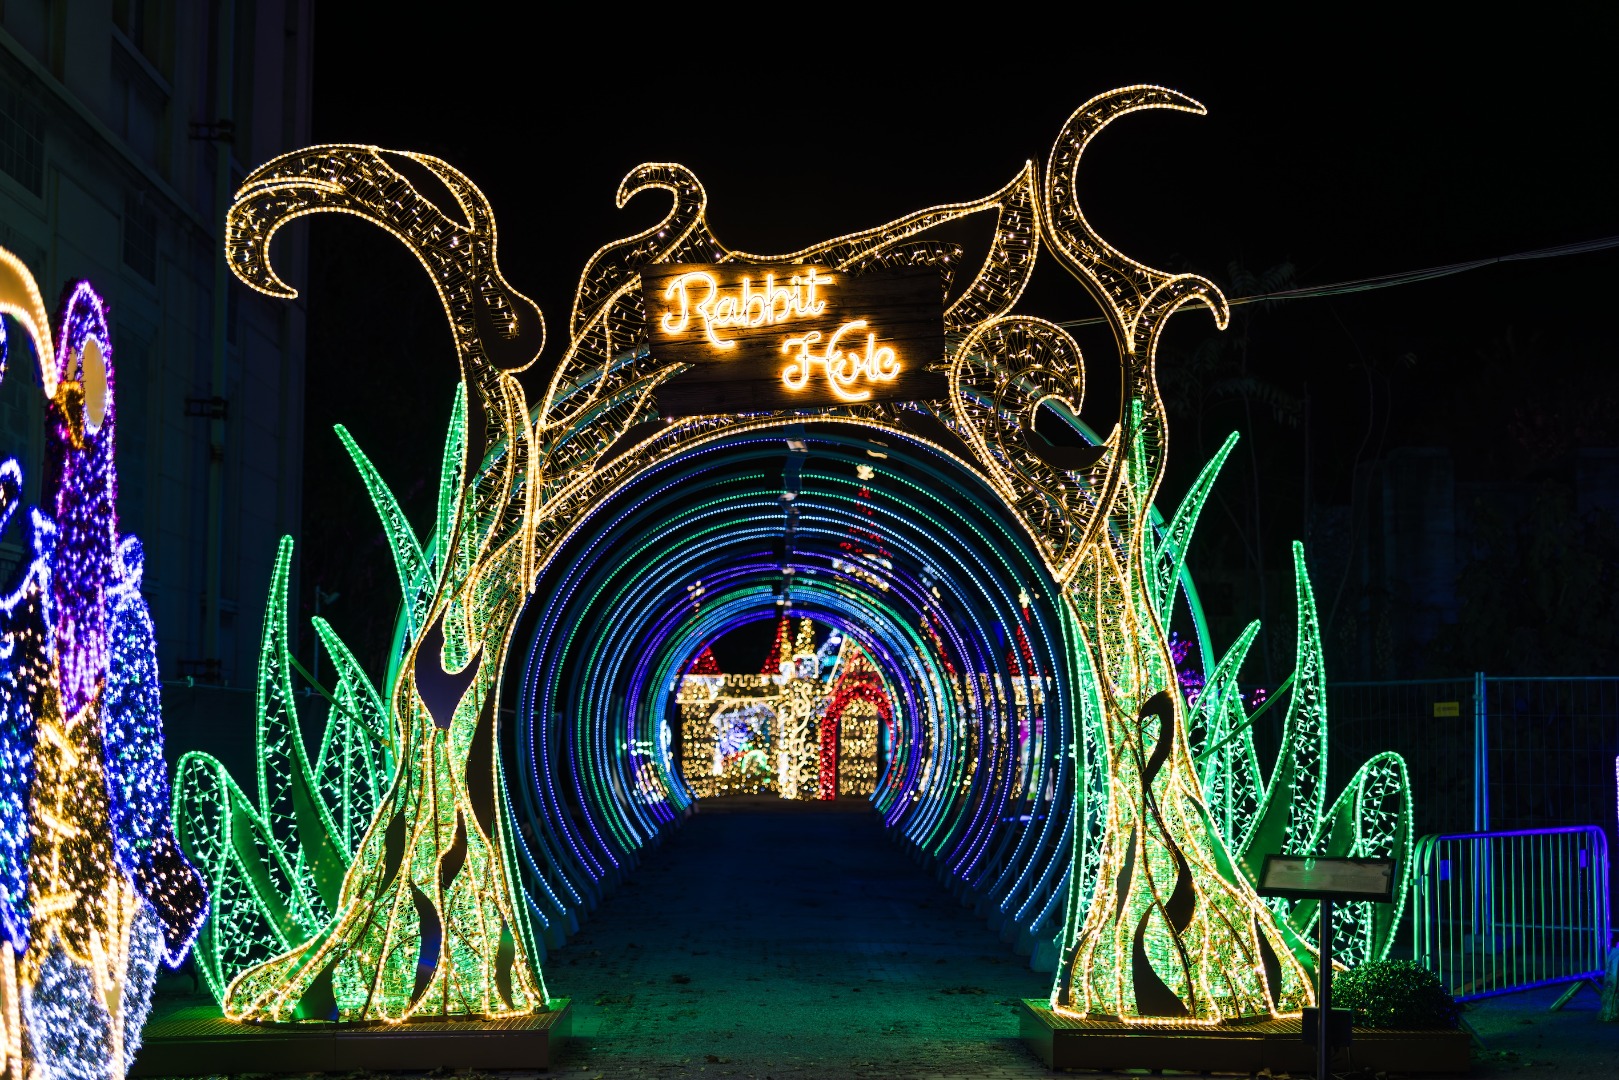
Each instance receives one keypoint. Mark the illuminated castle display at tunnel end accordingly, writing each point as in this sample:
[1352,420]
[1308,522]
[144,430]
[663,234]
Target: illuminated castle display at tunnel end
[808,726]
[732,419]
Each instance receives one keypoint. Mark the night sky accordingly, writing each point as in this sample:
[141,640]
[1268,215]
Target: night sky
[1343,152]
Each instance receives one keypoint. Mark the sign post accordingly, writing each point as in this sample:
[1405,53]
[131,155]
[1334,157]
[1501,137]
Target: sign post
[1310,877]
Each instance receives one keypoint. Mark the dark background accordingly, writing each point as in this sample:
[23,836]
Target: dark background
[1332,151]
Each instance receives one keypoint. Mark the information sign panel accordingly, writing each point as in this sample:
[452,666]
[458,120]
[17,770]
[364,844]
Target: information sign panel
[1311,877]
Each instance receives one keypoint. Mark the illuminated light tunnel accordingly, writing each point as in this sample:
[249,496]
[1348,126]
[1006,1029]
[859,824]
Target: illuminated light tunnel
[961,624]
[560,589]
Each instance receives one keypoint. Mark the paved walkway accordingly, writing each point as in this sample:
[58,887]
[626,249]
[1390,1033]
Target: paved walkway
[1521,1036]
[790,945]
[781,941]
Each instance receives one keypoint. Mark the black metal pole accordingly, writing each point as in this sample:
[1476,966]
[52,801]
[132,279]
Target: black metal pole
[1323,1047]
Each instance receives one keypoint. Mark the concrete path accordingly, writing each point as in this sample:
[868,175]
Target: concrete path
[766,940]
[1519,1034]
[790,944]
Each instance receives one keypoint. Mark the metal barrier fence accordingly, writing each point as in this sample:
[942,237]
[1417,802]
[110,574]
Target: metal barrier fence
[1549,747]
[1431,724]
[1489,752]
[1496,912]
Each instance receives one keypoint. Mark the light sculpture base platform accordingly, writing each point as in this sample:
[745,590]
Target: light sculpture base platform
[212,1045]
[1065,1043]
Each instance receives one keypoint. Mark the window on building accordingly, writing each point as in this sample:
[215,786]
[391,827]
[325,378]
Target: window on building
[137,116]
[249,51]
[134,18]
[138,103]
[22,137]
[29,21]
[150,25]
[19,244]
[140,235]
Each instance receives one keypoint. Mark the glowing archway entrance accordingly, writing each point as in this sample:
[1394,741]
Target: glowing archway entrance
[439,903]
[885,538]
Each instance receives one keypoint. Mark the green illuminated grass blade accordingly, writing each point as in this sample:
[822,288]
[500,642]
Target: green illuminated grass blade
[407,550]
[251,887]
[274,865]
[288,798]
[1370,818]
[355,692]
[1165,562]
[1222,744]
[453,547]
[1209,722]
[1293,800]
[450,480]
[1305,730]
[356,753]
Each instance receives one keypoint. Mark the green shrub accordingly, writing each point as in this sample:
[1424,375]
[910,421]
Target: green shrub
[1396,994]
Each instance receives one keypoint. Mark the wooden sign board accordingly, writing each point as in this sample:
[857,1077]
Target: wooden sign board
[804,336]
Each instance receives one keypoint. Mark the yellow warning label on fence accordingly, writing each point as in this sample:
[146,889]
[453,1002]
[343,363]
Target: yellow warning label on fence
[1447,708]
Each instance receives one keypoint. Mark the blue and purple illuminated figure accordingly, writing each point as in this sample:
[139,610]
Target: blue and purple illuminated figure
[94,890]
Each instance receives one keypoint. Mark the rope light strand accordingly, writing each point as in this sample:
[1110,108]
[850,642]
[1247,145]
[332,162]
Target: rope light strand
[1404,277]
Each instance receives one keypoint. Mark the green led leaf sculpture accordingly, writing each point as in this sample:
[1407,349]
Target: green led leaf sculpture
[265,900]
[1285,813]
[274,862]
[252,910]
[1371,817]
[1166,561]
[1227,764]
[414,582]
[427,920]
[355,758]
[288,798]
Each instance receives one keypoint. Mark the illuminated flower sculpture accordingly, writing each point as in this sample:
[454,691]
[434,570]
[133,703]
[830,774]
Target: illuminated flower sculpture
[1158,807]
[108,892]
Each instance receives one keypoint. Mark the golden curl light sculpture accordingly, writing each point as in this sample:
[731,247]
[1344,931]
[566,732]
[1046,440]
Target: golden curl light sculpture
[1161,927]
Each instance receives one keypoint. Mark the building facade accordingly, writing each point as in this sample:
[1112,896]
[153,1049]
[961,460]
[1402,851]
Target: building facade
[125,127]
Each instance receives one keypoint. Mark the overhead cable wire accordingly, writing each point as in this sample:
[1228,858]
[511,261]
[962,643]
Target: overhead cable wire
[1385,281]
